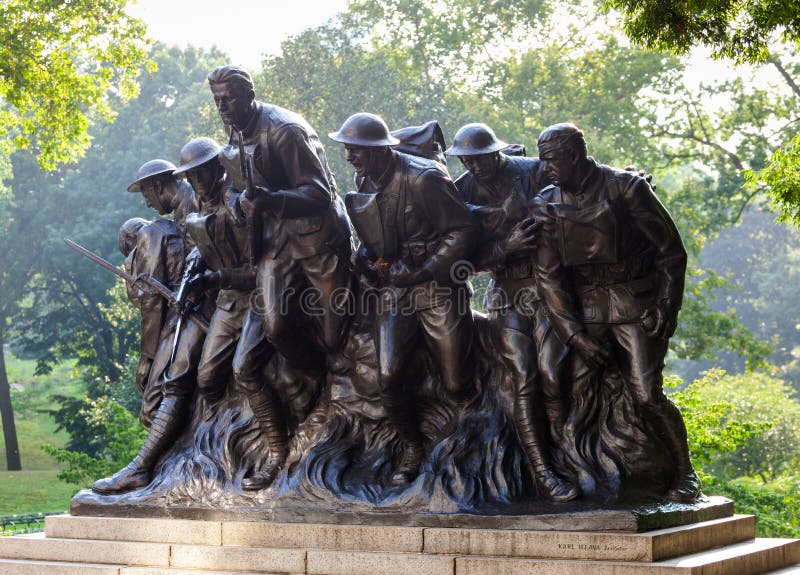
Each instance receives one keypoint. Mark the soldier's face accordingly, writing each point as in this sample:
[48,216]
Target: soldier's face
[559,165]
[365,160]
[203,179]
[233,105]
[156,195]
[482,166]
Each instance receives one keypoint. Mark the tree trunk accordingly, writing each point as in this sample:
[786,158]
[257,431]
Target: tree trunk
[7,412]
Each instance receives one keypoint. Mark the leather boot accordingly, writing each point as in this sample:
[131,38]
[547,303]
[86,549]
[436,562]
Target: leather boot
[685,487]
[550,484]
[410,443]
[270,420]
[167,424]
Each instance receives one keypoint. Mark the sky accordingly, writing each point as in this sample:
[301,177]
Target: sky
[248,29]
[244,29]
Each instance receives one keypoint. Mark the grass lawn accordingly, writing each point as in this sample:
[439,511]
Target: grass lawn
[36,488]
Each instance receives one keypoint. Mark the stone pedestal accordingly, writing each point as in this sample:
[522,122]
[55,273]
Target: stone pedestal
[74,545]
[574,516]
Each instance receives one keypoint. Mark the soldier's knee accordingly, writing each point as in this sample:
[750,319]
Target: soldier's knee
[456,383]
[276,327]
[649,395]
[247,378]
[208,384]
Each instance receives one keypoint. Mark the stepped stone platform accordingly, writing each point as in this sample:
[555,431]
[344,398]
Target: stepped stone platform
[81,545]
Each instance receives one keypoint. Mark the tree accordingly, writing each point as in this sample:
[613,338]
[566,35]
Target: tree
[60,63]
[749,32]
[48,296]
[739,29]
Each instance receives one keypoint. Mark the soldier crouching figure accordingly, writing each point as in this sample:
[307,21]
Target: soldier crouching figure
[612,273]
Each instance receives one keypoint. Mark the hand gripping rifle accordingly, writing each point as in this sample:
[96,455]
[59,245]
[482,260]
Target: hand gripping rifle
[150,282]
[182,303]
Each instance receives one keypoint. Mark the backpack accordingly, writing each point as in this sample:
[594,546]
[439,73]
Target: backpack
[425,141]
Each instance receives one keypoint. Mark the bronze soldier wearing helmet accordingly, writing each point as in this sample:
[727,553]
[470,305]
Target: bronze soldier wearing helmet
[499,190]
[413,225]
[223,244]
[166,194]
[158,249]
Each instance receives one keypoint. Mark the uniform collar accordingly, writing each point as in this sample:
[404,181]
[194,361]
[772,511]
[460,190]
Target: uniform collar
[388,173]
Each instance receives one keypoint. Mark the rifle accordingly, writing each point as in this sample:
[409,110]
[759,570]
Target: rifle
[191,270]
[253,229]
[150,282]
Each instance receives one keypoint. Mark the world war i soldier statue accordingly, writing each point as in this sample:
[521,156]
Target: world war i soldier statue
[291,205]
[167,195]
[299,238]
[155,250]
[414,229]
[158,250]
[222,242]
[612,274]
[499,189]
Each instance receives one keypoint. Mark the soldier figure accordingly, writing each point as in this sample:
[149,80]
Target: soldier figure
[166,194]
[294,209]
[414,230]
[158,249]
[155,249]
[224,250]
[612,275]
[499,190]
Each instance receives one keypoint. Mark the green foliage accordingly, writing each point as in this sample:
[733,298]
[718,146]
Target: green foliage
[782,176]
[775,505]
[738,29]
[762,261]
[60,62]
[710,424]
[122,435]
[58,293]
[744,434]
[704,331]
[105,381]
[766,405]
[744,136]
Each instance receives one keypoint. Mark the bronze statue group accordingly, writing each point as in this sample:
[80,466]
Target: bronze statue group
[587,271]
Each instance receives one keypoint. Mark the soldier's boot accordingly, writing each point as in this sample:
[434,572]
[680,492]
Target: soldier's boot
[270,420]
[685,487]
[167,424]
[411,446]
[550,484]
[410,461]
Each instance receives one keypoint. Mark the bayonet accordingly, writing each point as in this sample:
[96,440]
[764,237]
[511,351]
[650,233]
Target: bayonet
[151,282]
